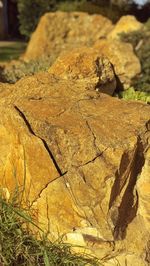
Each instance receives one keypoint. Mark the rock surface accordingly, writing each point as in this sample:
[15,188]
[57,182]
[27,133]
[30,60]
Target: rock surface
[81,160]
[126,64]
[126,24]
[61,31]
[85,65]
[143,187]
[80,29]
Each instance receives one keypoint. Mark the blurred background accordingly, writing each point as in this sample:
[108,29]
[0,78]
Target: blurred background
[19,18]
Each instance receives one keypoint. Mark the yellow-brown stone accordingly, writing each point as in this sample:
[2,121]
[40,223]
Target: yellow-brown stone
[126,24]
[60,31]
[125,62]
[82,160]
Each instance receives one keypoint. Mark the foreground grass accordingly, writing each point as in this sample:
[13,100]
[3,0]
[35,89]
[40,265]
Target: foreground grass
[18,247]
[11,50]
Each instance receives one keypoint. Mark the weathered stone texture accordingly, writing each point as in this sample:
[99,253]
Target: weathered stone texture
[80,29]
[86,65]
[126,64]
[78,155]
[62,31]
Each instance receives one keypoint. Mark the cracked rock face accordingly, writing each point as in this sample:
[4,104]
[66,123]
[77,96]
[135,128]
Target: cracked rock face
[80,158]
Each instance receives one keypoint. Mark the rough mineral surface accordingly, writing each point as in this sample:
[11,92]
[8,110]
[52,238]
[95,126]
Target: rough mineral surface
[126,24]
[86,65]
[81,159]
[61,31]
[126,64]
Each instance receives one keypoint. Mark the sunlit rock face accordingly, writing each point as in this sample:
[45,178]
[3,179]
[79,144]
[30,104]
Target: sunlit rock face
[79,158]
[121,55]
[62,31]
[88,66]
[126,24]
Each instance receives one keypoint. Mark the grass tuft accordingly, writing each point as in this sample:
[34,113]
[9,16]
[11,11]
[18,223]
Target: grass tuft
[19,247]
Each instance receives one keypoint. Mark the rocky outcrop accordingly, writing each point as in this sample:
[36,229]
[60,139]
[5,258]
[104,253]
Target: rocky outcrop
[61,31]
[80,159]
[59,34]
[126,24]
[126,64]
[80,29]
[85,65]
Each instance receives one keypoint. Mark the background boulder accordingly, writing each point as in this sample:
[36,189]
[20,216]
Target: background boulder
[61,31]
[126,64]
[126,24]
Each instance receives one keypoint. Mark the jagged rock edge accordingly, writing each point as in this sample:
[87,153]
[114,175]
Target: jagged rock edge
[138,155]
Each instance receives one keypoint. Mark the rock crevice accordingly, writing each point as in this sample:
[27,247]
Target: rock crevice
[44,142]
[86,158]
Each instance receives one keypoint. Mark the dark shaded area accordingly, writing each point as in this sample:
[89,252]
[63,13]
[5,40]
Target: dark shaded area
[129,202]
[119,85]
[13,22]
[142,14]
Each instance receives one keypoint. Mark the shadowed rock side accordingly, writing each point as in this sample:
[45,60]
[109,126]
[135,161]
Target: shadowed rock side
[77,155]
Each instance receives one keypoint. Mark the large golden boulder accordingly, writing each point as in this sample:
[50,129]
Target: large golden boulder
[80,159]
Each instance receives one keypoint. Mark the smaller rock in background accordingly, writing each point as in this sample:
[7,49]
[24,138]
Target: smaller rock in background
[126,24]
[87,66]
[121,55]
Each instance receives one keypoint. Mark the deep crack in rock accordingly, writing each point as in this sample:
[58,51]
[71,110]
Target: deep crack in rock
[44,142]
[93,160]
